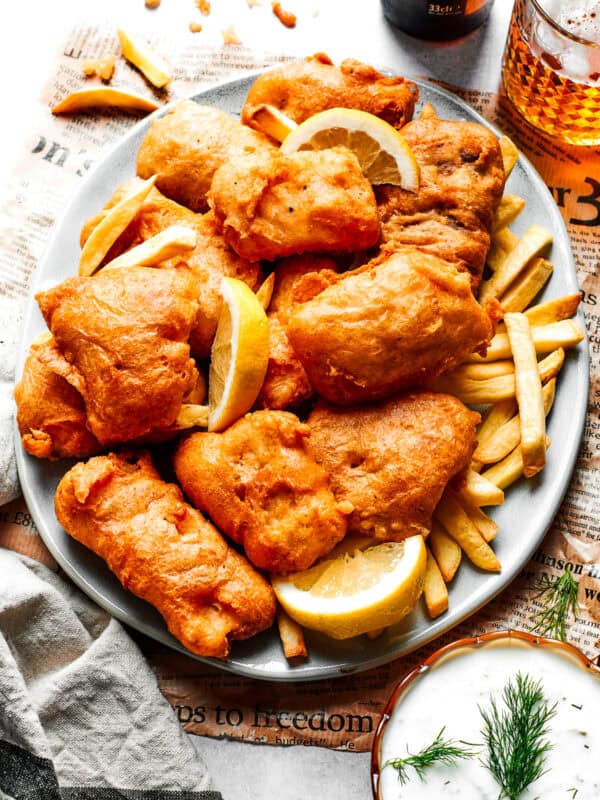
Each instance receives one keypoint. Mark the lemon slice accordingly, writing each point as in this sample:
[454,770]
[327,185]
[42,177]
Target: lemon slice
[383,153]
[239,355]
[359,587]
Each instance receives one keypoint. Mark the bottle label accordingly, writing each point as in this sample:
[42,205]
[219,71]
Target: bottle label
[446,9]
[454,9]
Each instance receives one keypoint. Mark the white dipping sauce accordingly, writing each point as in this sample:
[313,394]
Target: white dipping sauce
[449,693]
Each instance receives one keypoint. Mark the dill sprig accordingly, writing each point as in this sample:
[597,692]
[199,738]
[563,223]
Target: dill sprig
[516,749]
[559,599]
[440,751]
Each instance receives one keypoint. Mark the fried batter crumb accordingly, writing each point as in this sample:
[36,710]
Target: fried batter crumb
[194,27]
[285,17]
[152,3]
[254,3]
[203,7]
[230,36]
[102,67]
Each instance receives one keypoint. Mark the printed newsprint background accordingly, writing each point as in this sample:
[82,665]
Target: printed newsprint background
[342,713]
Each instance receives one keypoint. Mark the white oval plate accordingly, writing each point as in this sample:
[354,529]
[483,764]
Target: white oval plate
[523,519]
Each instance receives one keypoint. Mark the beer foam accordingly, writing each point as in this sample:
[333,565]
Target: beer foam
[581,17]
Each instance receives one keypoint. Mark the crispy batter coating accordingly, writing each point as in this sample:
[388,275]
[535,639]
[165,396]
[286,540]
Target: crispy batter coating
[50,411]
[164,551]
[210,260]
[307,87]
[260,486]
[461,183]
[125,334]
[392,460]
[187,145]
[388,326]
[286,383]
[274,205]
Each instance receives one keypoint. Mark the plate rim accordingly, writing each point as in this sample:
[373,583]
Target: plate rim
[303,673]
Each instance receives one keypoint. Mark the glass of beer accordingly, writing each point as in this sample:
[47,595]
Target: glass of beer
[551,67]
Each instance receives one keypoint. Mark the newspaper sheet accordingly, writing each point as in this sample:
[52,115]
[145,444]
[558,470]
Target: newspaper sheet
[343,713]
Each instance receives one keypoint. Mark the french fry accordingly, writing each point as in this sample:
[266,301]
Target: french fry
[527,286]
[502,243]
[508,210]
[483,370]
[457,523]
[272,121]
[528,389]
[434,588]
[478,491]
[531,244]
[265,291]
[104,97]
[508,436]
[506,239]
[497,415]
[492,390]
[291,635]
[510,469]
[446,551]
[192,415]
[484,524]
[553,310]
[175,240]
[566,333]
[510,154]
[139,53]
[110,227]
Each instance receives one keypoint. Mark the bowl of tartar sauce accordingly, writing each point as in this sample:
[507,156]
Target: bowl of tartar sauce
[446,694]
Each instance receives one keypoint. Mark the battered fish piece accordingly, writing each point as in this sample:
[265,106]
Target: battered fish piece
[272,205]
[164,551]
[286,383]
[185,147]
[392,460]
[125,334]
[388,327]
[209,262]
[307,87]
[461,183]
[50,411]
[260,486]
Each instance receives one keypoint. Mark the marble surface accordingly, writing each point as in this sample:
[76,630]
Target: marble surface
[31,34]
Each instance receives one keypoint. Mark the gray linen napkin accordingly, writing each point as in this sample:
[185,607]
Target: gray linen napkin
[81,715]
[10,325]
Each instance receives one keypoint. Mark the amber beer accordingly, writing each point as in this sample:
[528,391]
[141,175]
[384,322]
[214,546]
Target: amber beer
[438,21]
[551,67]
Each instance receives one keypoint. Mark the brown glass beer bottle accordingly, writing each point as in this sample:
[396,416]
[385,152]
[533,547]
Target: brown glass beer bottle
[440,20]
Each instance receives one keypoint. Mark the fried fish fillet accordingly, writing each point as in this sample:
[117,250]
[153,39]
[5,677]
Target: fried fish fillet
[260,486]
[304,88]
[164,551]
[50,411]
[272,205]
[392,460]
[286,383]
[210,261]
[125,335]
[387,327]
[461,183]
[185,147]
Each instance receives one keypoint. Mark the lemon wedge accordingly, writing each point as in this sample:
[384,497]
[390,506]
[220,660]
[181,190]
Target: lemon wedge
[360,586]
[383,154]
[239,355]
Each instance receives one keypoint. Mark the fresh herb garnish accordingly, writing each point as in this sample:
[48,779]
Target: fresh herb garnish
[440,751]
[515,745]
[559,599]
